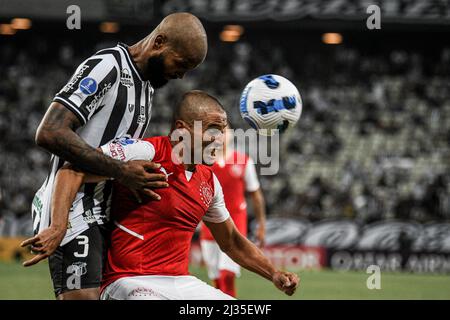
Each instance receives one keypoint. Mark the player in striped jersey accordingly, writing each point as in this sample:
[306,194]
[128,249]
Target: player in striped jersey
[109,95]
[150,242]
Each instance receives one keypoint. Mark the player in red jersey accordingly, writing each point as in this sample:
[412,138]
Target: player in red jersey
[237,175]
[149,251]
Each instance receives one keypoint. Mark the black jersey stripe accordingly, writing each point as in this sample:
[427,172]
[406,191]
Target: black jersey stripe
[112,125]
[137,107]
[107,190]
[120,106]
[130,61]
[147,107]
[102,88]
[59,164]
[88,199]
[71,106]
[88,66]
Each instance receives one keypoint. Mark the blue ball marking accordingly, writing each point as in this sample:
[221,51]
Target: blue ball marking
[270,81]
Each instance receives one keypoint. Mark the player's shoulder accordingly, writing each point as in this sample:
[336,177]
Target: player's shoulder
[161,145]
[108,56]
[158,140]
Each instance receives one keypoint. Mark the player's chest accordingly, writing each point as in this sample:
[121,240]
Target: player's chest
[188,196]
[135,102]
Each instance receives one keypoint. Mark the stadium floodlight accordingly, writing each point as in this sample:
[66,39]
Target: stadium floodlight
[21,23]
[332,38]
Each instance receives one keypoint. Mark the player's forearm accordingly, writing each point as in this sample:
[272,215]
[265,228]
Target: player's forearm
[259,206]
[69,146]
[67,184]
[247,255]
[57,135]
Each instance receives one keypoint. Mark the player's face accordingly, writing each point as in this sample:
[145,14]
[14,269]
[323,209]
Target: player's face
[176,65]
[155,71]
[211,133]
[214,127]
[166,66]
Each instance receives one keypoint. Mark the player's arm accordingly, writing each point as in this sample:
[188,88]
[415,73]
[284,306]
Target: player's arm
[239,248]
[259,206]
[72,108]
[257,198]
[68,181]
[57,134]
[246,254]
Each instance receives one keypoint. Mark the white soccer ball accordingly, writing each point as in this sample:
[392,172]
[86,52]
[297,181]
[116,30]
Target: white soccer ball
[271,102]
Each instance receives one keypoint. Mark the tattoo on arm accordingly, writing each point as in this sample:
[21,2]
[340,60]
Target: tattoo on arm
[58,126]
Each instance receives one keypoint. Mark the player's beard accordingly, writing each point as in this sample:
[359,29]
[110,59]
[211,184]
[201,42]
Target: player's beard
[155,72]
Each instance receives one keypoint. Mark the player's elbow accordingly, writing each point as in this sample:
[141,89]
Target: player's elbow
[226,246]
[45,139]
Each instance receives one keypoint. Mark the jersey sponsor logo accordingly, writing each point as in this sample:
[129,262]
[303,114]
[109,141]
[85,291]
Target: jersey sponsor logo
[75,78]
[142,117]
[165,172]
[206,193]
[116,151]
[89,217]
[98,97]
[125,78]
[88,86]
[126,141]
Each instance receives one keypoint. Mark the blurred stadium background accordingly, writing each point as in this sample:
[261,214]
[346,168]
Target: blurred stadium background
[364,177]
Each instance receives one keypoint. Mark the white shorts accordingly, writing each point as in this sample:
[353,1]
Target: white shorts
[216,260]
[162,288]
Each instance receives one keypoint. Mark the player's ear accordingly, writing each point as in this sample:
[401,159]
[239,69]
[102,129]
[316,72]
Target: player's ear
[159,42]
[180,124]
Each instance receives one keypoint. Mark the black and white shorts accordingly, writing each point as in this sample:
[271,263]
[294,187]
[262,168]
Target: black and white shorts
[79,263]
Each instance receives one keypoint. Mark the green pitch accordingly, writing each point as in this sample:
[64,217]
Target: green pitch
[17,282]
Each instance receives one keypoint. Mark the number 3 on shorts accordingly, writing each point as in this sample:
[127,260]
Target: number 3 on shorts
[82,241]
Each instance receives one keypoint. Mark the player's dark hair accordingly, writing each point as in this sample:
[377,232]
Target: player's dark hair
[192,100]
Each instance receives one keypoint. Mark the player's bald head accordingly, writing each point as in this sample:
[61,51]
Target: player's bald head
[185,33]
[197,105]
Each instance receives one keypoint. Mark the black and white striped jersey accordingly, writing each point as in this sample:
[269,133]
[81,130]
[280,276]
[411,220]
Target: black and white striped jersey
[111,100]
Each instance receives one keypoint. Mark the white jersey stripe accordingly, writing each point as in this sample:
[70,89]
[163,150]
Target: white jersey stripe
[106,107]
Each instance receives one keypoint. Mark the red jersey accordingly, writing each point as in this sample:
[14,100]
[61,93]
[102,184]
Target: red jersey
[235,178]
[154,237]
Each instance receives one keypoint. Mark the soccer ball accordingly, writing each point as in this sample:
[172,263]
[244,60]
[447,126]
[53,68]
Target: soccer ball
[271,102]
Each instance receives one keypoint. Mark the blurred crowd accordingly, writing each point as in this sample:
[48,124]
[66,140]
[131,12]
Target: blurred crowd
[372,143]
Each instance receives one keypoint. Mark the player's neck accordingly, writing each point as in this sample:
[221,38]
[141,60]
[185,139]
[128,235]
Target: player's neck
[138,58]
[188,167]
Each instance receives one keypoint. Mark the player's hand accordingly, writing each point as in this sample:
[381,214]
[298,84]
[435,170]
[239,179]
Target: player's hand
[139,178]
[286,281]
[260,235]
[44,244]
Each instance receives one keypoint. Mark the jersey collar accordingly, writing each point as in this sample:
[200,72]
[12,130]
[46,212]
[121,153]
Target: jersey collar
[130,60]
